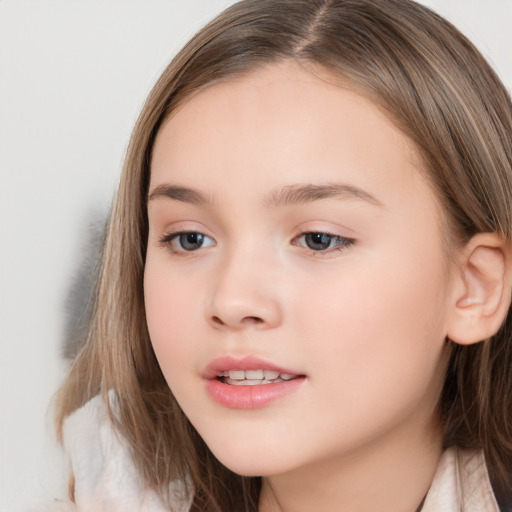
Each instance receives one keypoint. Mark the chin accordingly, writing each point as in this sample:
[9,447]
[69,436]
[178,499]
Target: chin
[255,460]
[243,467]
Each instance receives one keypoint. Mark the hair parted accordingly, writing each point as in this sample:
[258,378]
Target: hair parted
[438,90]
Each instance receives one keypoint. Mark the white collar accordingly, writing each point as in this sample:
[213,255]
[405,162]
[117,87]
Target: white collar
[107,481]
[461,483]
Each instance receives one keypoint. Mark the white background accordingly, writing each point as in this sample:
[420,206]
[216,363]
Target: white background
[73,77]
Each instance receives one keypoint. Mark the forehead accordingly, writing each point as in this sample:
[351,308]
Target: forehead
[282,124]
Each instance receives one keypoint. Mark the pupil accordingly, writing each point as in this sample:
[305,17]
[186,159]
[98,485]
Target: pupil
[191,241]
[318,241]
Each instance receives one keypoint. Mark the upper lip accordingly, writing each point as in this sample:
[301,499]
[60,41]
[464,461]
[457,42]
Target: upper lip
[226,363]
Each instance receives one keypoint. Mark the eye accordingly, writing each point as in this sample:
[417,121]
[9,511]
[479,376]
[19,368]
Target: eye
[187,241]
[323,242]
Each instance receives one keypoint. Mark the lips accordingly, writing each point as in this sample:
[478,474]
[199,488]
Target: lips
[249,382]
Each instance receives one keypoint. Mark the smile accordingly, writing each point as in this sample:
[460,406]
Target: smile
[249,382]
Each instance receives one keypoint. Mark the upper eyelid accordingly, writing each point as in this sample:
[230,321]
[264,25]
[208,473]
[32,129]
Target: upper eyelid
[183,227]
[180,230]
[298,233]
[332,235]
[326,231]
[173,233]
[326,225]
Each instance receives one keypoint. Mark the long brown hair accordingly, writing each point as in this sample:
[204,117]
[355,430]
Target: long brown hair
[437,89]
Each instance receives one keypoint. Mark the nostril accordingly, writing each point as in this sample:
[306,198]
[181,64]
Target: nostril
[252,320]
[248,320]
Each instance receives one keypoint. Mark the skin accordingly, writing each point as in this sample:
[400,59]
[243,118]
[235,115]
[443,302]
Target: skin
[365,324]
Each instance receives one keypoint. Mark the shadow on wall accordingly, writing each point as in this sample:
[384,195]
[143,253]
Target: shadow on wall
[80,296]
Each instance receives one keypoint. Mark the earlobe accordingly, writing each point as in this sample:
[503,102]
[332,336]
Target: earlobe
[483,290]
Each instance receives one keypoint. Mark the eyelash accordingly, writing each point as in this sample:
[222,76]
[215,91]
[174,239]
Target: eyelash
[168,239]
[342,242]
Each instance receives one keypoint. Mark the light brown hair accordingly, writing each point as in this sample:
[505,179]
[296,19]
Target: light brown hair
[436,88]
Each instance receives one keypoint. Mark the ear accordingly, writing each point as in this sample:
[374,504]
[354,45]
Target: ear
[482,289]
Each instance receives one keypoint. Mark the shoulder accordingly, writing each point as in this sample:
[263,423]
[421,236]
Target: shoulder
[105,476]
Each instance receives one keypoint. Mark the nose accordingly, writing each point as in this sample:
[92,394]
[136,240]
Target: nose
[245,295]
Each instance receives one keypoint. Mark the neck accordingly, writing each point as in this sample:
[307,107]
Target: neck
[392,474]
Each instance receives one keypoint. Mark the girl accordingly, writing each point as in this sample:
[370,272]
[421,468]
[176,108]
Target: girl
[305,291]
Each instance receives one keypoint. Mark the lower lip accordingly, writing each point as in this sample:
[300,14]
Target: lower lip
[250,397]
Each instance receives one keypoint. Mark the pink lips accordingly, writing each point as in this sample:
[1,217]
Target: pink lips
[247,396]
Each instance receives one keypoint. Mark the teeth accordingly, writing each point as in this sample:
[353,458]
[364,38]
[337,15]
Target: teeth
[270,374]
[236,374]
[252,382]
[249,382]
[254,377]
[254,374]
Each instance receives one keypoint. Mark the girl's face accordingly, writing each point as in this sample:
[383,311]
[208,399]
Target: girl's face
[296,288]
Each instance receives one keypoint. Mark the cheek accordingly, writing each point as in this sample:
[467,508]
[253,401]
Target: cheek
[171,313]
[378,325]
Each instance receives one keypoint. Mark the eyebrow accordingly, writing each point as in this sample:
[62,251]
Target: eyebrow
[183,194]
[287,195]
[294,194]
